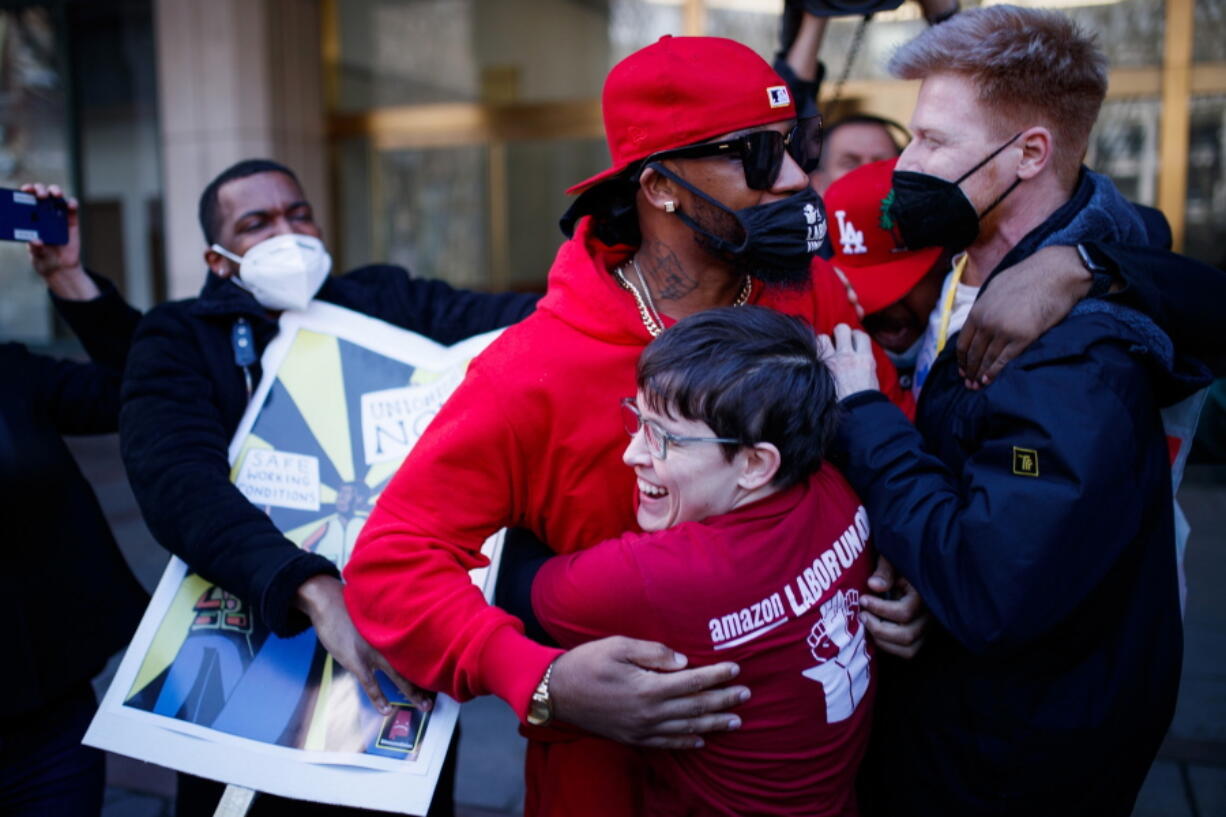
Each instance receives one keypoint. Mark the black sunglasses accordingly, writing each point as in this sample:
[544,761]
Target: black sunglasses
[761,151]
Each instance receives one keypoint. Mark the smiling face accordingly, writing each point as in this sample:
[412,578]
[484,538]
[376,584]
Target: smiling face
[695,481]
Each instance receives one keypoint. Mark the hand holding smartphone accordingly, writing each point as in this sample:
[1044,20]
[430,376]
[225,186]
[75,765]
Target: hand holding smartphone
[55,252]
[25,216]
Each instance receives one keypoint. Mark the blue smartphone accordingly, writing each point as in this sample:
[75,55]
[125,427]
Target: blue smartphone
[25,217]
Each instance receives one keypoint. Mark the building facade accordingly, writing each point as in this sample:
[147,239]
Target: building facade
[440,134]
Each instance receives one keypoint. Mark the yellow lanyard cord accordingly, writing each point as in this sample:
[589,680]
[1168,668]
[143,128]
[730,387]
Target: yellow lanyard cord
[947,308]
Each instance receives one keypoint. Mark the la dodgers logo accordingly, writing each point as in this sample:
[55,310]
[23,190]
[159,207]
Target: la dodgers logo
[837,643]
[851,238]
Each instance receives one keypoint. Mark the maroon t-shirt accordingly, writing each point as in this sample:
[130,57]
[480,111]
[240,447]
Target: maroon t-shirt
[774,586]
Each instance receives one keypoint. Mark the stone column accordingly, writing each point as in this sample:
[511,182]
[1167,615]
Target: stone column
[237,79]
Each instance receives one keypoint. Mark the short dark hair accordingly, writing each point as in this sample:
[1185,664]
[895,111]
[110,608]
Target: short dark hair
[613,207]
[751,374]
[240,170]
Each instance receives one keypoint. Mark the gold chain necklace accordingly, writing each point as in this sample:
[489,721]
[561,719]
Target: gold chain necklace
[651,304]
[653,325]
[654,329]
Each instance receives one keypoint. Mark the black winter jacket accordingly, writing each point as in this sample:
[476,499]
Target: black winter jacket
[1034,517]
[67,597]
[183,398]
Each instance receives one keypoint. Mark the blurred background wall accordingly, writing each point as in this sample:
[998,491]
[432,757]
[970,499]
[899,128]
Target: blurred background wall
[440,134]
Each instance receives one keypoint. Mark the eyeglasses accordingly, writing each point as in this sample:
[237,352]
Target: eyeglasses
[761,151]
[657,438]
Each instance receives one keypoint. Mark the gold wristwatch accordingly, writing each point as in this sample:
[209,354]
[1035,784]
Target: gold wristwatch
[540,710]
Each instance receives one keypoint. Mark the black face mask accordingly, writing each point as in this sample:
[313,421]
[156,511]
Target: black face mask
[929,211]
[780,238]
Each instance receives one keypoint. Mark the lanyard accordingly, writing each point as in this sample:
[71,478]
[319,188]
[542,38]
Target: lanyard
[947,308]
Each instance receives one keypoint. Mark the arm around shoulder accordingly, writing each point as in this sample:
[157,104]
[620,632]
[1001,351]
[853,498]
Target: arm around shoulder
[1182,295]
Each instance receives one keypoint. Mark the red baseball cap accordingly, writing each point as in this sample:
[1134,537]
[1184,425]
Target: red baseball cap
[683,90]
[866,251]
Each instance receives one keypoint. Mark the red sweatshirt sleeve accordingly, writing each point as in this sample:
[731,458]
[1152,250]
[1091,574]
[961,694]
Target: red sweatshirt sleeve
[593,594]
[407,583]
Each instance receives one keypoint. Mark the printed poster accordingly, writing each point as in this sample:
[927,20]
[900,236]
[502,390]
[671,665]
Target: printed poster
[204,687]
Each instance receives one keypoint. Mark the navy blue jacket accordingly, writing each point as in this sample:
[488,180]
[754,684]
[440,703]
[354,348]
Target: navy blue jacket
[1034,517]
[183,398]
[67,598]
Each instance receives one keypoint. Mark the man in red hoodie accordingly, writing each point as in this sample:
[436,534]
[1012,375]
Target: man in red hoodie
[707,204]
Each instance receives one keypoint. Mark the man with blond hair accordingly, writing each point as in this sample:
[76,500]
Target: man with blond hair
[1033,514]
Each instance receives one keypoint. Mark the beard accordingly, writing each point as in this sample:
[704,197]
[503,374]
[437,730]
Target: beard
[723,225]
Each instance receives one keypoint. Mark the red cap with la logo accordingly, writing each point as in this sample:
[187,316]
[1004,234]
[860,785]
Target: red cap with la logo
[680,91]
[866,250]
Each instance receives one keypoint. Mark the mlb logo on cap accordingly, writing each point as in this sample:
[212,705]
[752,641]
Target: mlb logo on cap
[682,91]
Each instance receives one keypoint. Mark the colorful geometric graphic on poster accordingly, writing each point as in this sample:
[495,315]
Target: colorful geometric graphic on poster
[205,687]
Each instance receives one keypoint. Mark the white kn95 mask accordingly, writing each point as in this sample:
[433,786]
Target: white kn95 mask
[282,272]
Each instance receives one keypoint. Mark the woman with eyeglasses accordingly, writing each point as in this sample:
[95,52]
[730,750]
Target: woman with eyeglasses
[752,550]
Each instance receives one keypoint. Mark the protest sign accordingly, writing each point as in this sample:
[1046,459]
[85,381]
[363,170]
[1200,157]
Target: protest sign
[205,687]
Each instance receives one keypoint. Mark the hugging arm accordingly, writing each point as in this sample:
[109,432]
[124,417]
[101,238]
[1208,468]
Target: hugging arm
[1022,302]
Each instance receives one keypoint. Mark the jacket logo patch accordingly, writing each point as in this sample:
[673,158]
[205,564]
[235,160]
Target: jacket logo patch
[1025,462]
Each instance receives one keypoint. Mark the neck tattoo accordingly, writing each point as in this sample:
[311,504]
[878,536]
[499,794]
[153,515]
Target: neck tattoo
[652,322]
